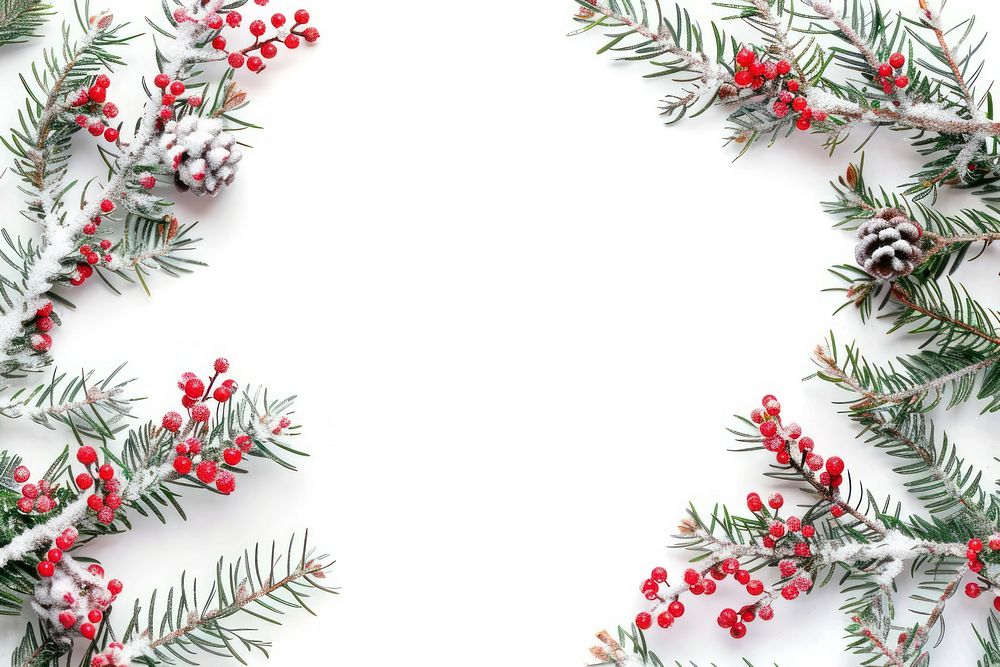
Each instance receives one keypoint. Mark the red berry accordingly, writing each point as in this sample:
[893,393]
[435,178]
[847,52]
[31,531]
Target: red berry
[658,574]
[106,472]
[790,592]
[86,455]
[97,94]
[664,620]
[676,608]
[269,50]
[177,88]
[301,16]
[792,85]
[95,502]
[54,555]
[727,618]
[311,35]
[743,78]
[278,20]
[206,471]
[775,501]
[255,64]
[103,81]
[168,99]
[649,588]
[95,129]
[172,422]
[897,60]
[194,388]
[95,616]
[161,81]
[226,482]
[803,124]
[837,511]
[292,42]
[88,631]
[21,474]
[643,620]
[67,619]
[200,412]
[182,465]
[738,631]
[755,587]
[115,587]
[996,603]
[221,394]
[754,503]
[884,70]
[742,576]
[902,81]
[219,43]
[106,515]
[107,206]
[691,576]
[757,416]
[745,57]
[110,110]
[235,60]
[233,456]
[773,408]
[768,429]
[257,28]
[25,504]
[783,67]
[215,22]
[46,569]
[835,465]
[973,590]
[113,500]
[221,365]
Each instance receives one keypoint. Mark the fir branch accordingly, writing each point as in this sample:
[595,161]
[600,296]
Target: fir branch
[21,19]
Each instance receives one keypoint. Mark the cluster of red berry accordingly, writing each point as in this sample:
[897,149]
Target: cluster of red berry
[890,75]
[34,497]
[104,501]
[754,73]
[84,270]
[77,615]
[90,254]
[189,453]
[93,109]
[268,48]
[171,95]
[778,437]
[110,657]
[974,557]
[40,339]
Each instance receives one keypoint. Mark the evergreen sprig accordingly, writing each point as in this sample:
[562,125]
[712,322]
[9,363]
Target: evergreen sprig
[20,20]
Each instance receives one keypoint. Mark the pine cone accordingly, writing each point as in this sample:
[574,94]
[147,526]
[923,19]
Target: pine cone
[889,245]
[202,154]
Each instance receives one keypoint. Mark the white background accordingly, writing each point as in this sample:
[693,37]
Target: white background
[518,312]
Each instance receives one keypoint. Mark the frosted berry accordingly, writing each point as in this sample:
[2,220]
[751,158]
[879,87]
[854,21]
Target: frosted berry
[768,429]
[233,456]
[665,620]
[25,504]
[792,85]
[973,590]
[301,16]
[45,310]
[107,206]
[21,474]
[172,422]
[110,110]
[835,465]
[790,592]
[727,618]
[161,81]
[742,576]
[691,576]
[754,503]
[46,569]
[777,530]
[269,50]
[200,413]
[278,20]
[194,388]
[106,515]
[292,41]
[115,587]
[676,608]
[808,531]
[54,555]
[177,88]
[311,35]
[226,482]
[244,442]
[95,502]
[113,500]
[743,78]
[219,43]
[643,620]
[106,472]
[67,619]
[235,60]
[255,64]
[837,511]
[757,416]
[649,588]
[745,57]
[755,587]
[765,613]
[206,471]
[902,81]
[215,22]
[221,365]
[86,455]
[257,28]
[897,60]
[775,501]
[975,545]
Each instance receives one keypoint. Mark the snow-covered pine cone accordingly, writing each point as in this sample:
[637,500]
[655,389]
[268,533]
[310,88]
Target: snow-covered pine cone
[889,245]
[202,154]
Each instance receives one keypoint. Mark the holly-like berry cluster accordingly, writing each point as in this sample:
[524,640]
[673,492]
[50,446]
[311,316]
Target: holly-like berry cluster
[754,73]
[779,438]
[38,497]
[92,255]
[87,598]
[110,657]
[93,110]
[171,96]
[291,37]
[979,552]
[40,339]
[105,500]
[190,454]
[890,74]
